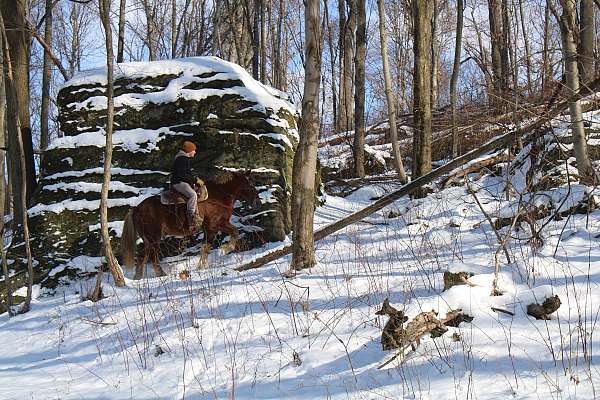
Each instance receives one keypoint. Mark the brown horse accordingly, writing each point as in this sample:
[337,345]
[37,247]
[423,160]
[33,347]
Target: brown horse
[152,220]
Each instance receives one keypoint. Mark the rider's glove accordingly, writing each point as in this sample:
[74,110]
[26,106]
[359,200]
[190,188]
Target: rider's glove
[199,182]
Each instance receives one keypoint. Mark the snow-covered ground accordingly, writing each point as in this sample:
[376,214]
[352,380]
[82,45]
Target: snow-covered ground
[223,334]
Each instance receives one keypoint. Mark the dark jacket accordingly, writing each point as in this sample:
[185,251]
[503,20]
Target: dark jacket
[182,170]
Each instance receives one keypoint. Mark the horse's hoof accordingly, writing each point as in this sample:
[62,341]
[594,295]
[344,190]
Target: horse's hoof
[225,249]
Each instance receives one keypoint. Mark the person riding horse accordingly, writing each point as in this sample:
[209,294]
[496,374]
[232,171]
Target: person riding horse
[183,181]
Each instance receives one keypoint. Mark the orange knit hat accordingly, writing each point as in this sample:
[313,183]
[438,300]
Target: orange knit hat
[188,146]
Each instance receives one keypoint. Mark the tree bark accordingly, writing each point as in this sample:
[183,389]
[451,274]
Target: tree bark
[19,38]
[345,110]
[359,94]
[389,94]
[121,33]
[3,186]
[587,36]
[422,14]
[115,269]
[256,41]
[46,77]
[305,159]
[568,26]
[460,8]
[173,28]
[263,42]
[13,121]
[527,49]
[546,62]
[334,97]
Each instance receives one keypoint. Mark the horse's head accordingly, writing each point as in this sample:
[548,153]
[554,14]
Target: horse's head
[247,190]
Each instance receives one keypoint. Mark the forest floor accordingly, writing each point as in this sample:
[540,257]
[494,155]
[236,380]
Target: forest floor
[223,334]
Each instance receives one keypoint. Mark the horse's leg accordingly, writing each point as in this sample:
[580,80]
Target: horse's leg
[140,265]
[234,236]
[158,271]
[209,236]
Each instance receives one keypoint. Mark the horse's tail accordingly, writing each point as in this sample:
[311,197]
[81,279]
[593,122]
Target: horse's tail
[128,239]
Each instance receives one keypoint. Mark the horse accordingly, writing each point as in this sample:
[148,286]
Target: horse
[151,220]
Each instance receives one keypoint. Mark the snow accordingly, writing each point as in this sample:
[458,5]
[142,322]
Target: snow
[90,205]
[188,71]
[100,170]
[256,334]
[128,140]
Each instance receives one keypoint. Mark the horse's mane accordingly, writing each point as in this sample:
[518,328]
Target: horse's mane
[223,177]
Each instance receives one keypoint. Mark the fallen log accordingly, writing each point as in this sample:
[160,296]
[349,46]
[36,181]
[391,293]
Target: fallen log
[491,145]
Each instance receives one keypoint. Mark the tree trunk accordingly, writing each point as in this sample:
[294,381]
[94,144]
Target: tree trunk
[422,14]
[14,13]
[527,49]
[115,269]
[256,41]
[46,77]
[334,98]
[359,94]
[173,28]
[455,72]
[121,33]
[3,186]
[389,94]
[587,36]
[13,121]
[263,42]
[279,68]
[305,160]
[546,62]
[568,26]
[150,31]
[434,56]
[345,110]
[498,36]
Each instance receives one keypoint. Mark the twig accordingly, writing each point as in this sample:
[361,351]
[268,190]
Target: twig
[500,310]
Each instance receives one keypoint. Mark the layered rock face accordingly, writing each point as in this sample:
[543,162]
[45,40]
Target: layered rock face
[236,122]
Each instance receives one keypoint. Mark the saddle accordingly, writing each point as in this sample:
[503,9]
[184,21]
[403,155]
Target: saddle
[171,196]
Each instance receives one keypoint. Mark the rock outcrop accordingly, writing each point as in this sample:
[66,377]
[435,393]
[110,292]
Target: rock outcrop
[236,122]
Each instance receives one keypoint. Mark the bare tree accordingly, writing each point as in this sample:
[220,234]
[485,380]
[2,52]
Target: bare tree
[568,29]
[460,8]
[14,13]
[347,26]
[305,159]
[14,129]
[389,94]
[587,35]
[108,253]
[422,14]
[3,186]
[359,93]
[46,78]
[121,32]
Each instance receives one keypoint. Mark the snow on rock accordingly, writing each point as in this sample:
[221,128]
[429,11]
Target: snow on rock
[236,122]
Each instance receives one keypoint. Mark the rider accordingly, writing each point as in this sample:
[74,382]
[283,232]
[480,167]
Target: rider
[183,181]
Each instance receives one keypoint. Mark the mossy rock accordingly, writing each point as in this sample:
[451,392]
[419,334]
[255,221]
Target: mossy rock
[215,108]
